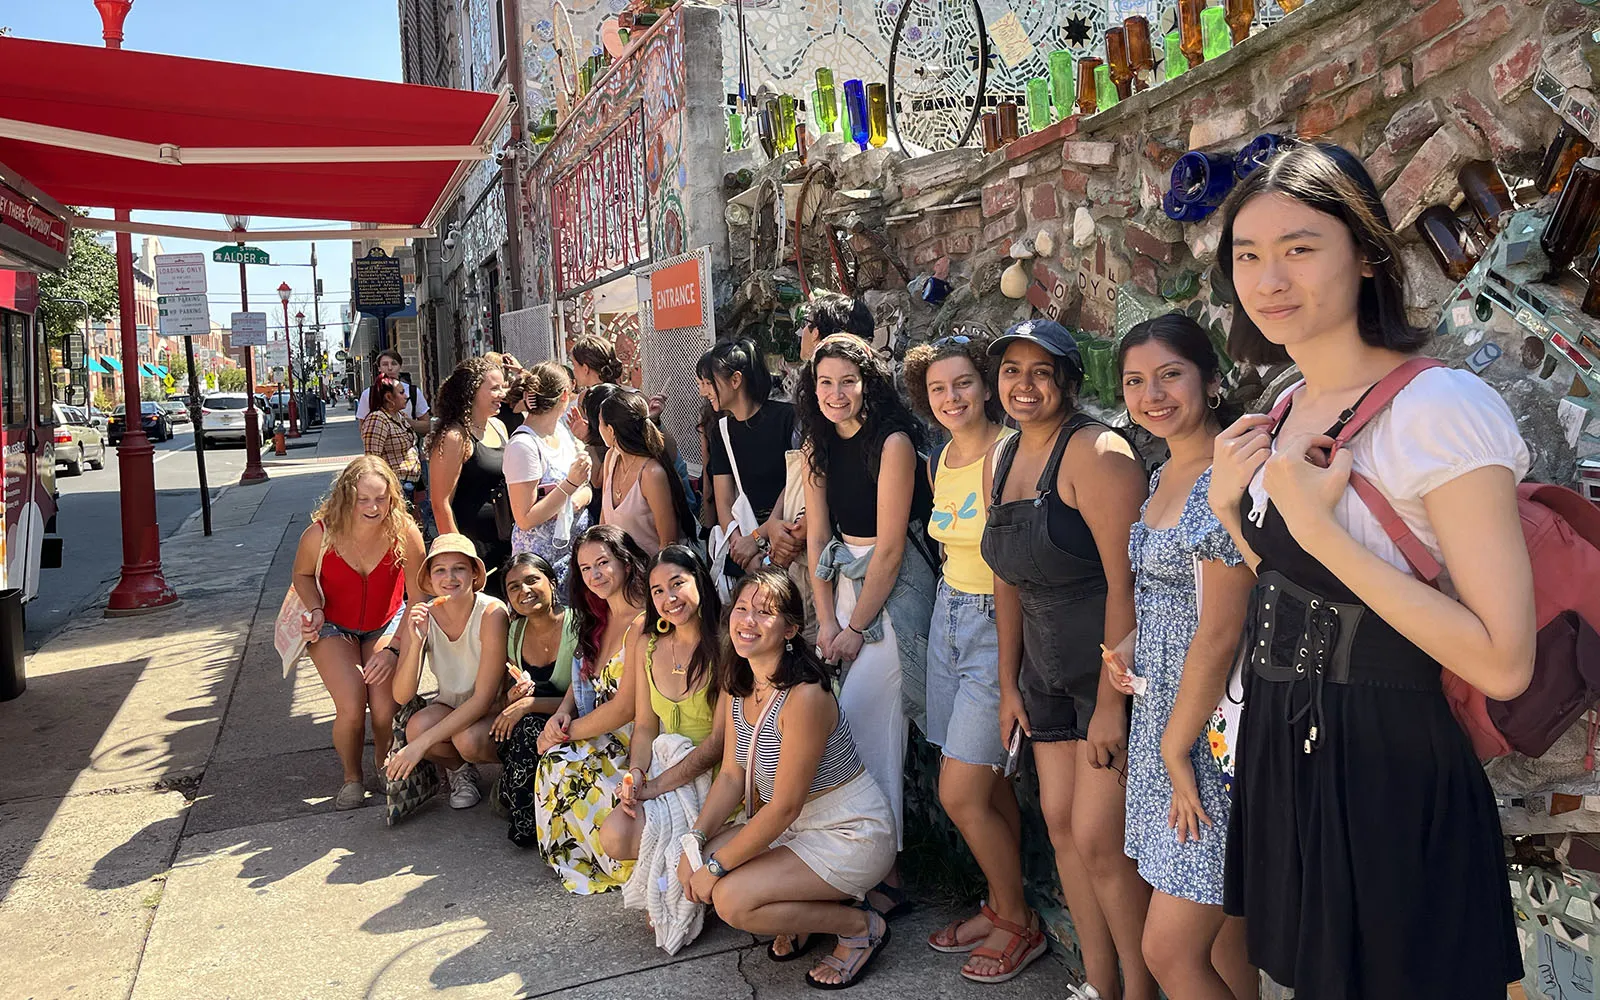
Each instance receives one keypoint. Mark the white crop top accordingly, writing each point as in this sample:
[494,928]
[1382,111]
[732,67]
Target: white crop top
[1446,423]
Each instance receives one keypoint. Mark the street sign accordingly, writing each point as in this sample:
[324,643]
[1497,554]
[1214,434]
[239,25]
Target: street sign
[376,284]
[232,254]
[184,315]
[248,329]
[180,274]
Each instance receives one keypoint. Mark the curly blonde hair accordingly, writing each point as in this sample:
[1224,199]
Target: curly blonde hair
[337,510]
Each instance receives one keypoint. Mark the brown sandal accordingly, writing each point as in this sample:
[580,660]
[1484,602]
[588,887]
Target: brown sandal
[947,939]
[1026,946]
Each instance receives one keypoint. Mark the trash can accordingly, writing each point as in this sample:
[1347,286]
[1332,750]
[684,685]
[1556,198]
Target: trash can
[13,681]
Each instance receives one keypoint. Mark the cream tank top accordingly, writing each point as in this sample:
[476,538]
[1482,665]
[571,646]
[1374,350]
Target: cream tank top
[455,662]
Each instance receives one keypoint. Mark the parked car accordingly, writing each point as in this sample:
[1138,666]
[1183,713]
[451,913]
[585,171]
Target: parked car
[97,418]
[312,410]
[177,410]
[157,426]
[222,417]
[78,442]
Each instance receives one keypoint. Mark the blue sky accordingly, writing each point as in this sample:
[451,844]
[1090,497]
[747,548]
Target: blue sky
[348,37]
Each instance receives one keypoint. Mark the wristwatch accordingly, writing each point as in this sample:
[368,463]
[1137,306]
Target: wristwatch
[715,867]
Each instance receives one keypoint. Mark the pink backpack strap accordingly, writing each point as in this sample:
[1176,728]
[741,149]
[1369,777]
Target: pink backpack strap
[1417,556]
[1282,406]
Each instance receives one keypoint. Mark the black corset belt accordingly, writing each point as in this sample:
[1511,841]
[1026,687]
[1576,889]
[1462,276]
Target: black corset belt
[1295,636]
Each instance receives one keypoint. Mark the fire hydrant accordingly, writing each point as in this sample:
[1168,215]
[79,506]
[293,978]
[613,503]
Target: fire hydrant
[279,447]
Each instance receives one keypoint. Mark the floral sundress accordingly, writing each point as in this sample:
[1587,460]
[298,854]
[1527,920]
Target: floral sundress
[575,790]
[1168,614]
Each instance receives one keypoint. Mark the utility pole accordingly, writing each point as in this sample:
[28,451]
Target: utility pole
[316,307]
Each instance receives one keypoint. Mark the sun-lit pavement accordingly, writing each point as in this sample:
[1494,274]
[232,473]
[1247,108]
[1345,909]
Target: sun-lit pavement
[166,829]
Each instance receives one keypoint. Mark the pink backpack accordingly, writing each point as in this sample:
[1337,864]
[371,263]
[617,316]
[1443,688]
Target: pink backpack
[1562,530]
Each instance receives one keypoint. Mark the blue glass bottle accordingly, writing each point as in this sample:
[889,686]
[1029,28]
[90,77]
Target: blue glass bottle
[855,98]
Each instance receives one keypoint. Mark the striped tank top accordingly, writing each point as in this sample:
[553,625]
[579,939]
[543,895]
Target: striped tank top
[839,761]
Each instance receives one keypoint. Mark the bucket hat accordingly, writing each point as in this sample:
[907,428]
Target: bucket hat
[447,543]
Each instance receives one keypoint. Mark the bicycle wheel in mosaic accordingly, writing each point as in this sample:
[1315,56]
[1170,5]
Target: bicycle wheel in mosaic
[938,70]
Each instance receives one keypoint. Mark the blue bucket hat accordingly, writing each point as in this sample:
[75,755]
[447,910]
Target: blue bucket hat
[1048,334]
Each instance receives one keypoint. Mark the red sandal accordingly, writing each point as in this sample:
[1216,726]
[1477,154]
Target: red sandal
[947,939]
[1026,946]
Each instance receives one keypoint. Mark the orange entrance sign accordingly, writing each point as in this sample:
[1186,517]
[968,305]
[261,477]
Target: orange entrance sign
[675,295]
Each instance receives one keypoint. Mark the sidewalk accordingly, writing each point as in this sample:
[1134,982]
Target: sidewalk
[166,829]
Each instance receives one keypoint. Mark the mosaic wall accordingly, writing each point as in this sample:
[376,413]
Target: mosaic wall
[653,74]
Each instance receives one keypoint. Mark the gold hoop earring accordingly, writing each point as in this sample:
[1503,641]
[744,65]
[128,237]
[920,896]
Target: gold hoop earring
[1215,401]
[663,626]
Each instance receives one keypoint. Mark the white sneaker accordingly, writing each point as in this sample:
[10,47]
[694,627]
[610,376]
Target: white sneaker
[464,792]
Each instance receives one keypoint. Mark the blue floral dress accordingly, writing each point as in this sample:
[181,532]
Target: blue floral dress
[1164,563]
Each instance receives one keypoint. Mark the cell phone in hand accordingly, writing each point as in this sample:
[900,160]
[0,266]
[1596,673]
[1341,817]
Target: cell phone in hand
[1014,750]
[691,850]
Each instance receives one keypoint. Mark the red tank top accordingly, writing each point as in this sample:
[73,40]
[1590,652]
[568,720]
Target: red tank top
[361,603]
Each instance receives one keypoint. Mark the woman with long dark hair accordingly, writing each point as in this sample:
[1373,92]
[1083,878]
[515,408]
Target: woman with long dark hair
[585,744]
[1063,494]
[1190,594]
[640,492]
[466,455]
[1364,848]
[751,434]
[867,506]
[820,831]
[674,655]
[540,648]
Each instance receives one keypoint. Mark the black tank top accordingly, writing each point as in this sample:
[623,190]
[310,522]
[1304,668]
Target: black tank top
[482,475]
[853,488]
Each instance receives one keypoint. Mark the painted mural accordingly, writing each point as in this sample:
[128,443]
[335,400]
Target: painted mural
[651,75]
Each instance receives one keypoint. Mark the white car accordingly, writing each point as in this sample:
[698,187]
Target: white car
[222,417]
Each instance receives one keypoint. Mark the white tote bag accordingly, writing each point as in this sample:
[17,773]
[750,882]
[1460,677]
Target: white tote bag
[744,515]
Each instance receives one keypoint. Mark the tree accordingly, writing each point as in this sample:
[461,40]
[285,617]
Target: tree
[90,275]
[230,380]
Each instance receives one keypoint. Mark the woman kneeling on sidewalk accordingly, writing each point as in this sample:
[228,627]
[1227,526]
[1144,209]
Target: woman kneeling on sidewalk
[350,571]
[461,634]
[826,835]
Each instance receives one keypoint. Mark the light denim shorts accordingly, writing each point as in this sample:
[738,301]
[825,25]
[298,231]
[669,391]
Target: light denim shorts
[964,678]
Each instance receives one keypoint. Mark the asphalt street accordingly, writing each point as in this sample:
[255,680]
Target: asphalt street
[90,522]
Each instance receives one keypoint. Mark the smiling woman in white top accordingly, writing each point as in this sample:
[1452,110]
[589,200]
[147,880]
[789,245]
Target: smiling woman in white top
[461,634]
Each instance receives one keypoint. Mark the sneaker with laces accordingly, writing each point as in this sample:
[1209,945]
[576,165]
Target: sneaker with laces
[464,792]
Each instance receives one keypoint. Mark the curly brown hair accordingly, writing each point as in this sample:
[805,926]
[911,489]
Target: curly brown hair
[972,346]
[453,405]
[883,412]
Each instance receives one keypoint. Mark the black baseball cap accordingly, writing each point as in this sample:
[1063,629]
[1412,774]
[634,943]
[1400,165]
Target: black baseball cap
[1048,334]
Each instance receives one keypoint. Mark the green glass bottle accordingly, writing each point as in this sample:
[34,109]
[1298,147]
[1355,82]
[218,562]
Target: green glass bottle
[735,130]
[1062,83]
[786,128]
[826,114]
[1105,91]
[1038,103]
[1172,56]
[1216,36]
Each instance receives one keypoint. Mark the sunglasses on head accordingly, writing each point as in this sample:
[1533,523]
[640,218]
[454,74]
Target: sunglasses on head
[959,340]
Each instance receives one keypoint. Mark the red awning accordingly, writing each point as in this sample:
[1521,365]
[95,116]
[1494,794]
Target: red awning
[137,130]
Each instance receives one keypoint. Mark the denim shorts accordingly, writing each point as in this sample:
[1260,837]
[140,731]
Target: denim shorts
[329,629]
[964,678]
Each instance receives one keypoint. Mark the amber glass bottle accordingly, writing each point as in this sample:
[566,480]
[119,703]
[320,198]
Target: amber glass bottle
[1240,14]
[1141,57]
[1088,99]
[1191,42]
[1568,147]
[1117,59]
[1441,233]
[1577,210]
[1486,193]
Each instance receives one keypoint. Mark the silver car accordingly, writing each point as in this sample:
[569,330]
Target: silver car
[222,417]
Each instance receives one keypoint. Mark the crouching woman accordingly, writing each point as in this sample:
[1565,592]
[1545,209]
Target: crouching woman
[799,866]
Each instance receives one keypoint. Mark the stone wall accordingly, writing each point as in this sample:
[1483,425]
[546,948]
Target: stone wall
[1415,88]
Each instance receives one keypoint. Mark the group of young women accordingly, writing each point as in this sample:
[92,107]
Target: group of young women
[1025,582]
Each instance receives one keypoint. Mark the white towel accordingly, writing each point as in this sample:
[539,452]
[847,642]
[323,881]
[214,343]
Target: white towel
[653,886]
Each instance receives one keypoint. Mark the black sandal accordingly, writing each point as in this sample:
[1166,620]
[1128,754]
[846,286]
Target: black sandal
[899,903]
[867,947]
[794,953]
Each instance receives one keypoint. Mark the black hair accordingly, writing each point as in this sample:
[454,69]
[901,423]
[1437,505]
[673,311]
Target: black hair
[593,398]
[1067,376]
[590,614]
[535,562]
[737,357]
[627,413]
[883,410]
[1331,180]
[702,662]
[1190,341]
[593,352]
[797,664]
[832,314]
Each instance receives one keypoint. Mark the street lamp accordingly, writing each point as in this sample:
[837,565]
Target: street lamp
[288,346]
[141,587]
[253,472]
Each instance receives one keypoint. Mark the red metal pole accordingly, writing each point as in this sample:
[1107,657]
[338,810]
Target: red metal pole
[253,472]
[288,345]
[142,587]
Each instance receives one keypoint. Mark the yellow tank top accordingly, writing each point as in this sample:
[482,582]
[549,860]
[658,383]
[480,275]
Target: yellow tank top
[959,512]
[693,717]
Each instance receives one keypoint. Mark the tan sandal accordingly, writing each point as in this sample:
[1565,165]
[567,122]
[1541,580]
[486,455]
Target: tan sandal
[865,949]
[1027,945]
